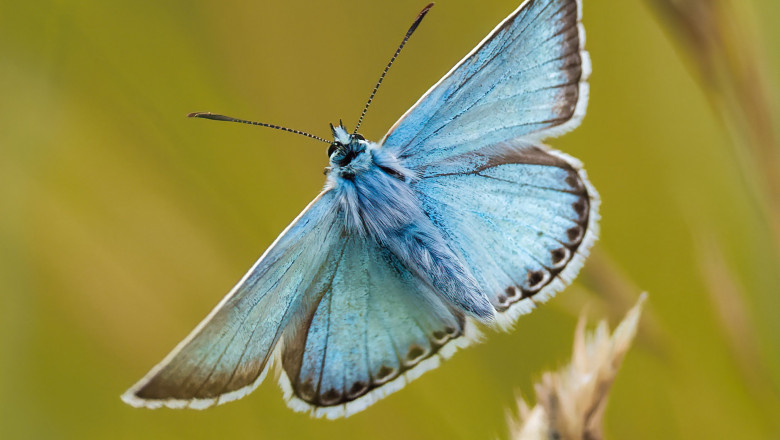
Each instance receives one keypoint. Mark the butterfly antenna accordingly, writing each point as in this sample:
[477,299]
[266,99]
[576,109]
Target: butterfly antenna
[217,117]
[409,33]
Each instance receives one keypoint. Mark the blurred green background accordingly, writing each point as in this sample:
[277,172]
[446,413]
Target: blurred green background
[122,223]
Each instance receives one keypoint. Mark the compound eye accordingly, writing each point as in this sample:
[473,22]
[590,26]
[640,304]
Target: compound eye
[359,137]
[331,149]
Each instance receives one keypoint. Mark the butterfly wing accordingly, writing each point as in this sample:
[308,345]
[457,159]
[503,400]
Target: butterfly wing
[376,327]
[527,78]
[522,216]
[229,353]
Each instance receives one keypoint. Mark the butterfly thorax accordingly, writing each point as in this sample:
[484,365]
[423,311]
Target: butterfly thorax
[372,186]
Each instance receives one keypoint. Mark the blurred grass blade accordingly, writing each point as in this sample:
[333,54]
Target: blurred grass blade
[717,38]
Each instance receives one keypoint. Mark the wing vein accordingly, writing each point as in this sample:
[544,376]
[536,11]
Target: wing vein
[468,79]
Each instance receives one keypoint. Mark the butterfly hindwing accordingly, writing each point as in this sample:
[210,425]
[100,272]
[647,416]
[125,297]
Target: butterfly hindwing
[522,216]
[228,354]
[527,79]
[376,327]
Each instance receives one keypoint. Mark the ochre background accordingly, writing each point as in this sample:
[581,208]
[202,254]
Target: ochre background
[122,223]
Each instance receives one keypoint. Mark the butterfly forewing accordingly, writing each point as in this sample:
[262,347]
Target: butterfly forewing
[527,79]
[227,355]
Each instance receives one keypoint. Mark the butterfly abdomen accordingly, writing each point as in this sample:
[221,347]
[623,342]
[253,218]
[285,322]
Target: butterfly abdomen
[423,250]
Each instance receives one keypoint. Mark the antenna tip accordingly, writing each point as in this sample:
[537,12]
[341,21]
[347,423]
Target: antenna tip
[213,116]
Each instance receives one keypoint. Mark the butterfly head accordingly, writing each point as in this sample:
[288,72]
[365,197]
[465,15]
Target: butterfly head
[345,147]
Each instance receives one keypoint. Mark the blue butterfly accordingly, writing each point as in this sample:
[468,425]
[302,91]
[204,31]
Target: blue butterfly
[458,219]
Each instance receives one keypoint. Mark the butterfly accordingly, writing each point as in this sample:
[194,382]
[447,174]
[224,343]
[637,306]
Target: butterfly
[458,219]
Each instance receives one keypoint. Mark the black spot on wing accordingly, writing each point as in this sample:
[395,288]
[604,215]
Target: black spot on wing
[357,389]
[384,374]
[330,397]
[559,256]
[581,207]
[414,354]
[535,278]
[575,234]
[535,281]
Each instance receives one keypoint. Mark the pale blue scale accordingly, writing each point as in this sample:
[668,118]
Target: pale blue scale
[349,316]
[506,219]
[316,343]
[548,211]
[295,280]
[401,310]
[512,87]
[260,330]
[345,319]
[496,260]
[533,176]
[233,344]
[375,321]
[380,345]
[495,269]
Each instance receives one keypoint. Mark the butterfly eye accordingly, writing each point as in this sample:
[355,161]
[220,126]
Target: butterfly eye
[359,137]
[331,150]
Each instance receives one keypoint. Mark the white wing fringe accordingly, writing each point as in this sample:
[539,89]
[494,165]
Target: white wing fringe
[570,402]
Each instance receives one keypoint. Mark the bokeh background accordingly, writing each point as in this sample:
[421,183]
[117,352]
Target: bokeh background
[122,223]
